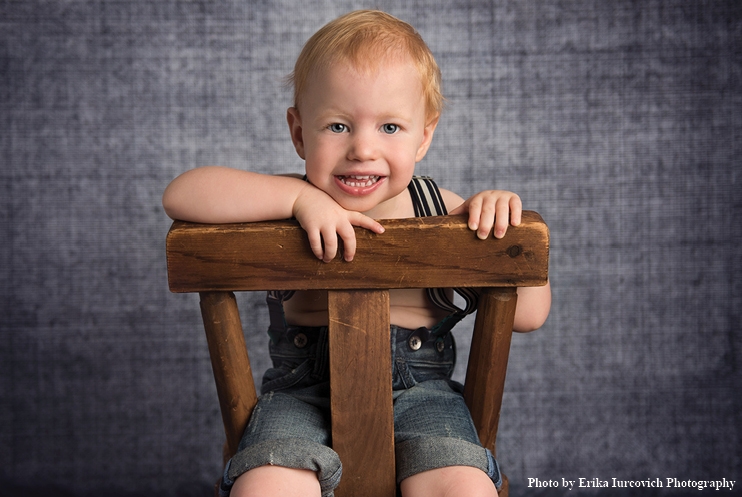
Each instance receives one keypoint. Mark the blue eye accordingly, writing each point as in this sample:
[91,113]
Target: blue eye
[389,128]
[337,127]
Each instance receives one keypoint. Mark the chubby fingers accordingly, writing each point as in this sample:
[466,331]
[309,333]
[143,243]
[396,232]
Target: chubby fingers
[508,211]
[349,235]
[323,243]
[323,240]
[363,221]
[491,209]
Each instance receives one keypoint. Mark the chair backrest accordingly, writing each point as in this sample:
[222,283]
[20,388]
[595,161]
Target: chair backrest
[431,252]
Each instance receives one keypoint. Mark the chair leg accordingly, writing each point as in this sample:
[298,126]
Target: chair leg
[231,365]
[488,361]
[488,364]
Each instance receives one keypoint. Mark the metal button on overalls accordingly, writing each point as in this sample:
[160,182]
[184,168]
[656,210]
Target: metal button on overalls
[440,344]
[415,342]
[300,340]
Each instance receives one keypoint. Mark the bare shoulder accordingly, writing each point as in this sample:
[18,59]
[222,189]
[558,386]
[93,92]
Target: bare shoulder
[451,199]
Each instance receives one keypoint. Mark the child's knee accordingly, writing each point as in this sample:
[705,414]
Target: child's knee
[452,481]
[276,481]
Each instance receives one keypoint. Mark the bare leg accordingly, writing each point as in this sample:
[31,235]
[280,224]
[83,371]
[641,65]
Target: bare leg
[277,481]
[453,481]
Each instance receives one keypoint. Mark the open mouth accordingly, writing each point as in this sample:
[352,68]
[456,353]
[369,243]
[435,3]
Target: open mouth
[359,181]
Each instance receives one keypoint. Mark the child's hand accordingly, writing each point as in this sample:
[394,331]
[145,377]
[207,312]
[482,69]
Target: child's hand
[324,220]
[491,208]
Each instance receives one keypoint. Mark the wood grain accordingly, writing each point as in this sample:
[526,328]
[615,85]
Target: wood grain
[230,363]
[361,386]
[412,253]
[488,361]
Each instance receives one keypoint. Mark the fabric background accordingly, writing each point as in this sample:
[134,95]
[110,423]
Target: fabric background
[620,122]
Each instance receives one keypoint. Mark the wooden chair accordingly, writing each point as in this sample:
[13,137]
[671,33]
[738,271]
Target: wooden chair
[216,260]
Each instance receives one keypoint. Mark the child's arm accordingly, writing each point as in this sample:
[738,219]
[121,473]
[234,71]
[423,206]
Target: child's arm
[534,303]
[224,195]
[498,209]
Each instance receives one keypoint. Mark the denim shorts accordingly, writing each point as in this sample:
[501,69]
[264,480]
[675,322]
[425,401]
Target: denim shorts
[289,426]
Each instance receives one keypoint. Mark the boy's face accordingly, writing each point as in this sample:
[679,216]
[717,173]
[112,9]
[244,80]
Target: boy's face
[361,133]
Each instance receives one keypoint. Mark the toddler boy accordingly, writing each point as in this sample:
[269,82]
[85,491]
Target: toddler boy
[367,101]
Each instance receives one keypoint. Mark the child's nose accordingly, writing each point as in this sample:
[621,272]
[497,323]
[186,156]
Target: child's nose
[364,146]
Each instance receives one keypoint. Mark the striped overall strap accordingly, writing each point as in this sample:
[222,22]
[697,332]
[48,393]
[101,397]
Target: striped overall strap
[427,201]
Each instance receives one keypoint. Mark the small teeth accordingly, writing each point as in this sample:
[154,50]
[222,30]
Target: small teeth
[359,181]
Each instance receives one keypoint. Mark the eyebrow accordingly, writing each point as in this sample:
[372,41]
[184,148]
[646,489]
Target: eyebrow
[330,114]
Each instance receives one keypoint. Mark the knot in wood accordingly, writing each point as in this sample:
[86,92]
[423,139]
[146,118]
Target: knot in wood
[514,250]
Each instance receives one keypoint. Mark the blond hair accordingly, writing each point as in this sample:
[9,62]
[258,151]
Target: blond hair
[364,38]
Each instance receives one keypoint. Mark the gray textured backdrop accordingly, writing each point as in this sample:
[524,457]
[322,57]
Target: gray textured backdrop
[618,121]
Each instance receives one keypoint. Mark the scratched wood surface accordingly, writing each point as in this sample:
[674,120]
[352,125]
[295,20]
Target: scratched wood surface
[411,253]
[361,386]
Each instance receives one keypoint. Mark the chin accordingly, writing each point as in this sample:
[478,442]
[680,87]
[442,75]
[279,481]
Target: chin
[359,206]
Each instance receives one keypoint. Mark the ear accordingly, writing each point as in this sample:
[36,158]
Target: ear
[427,138]
[297,137]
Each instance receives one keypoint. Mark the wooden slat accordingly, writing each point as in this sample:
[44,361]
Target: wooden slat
[230,363]
[276,256]
[361,385]
[488,360]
